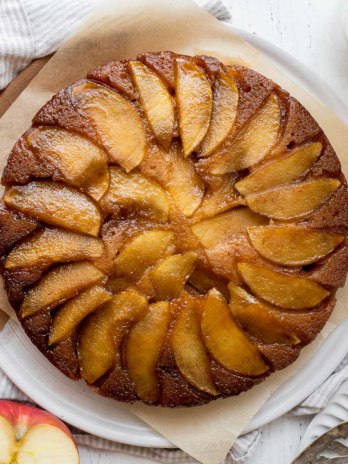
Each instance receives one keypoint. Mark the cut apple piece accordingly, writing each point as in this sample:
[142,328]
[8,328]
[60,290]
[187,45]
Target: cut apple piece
[293,201]
[117,123]
[194,99]
[225,340]
[213,231]
[56,204]
[284,290]
[184,185]
[255,318]
[156,101]
[144,347]
[101,337]
[134,190]
[204,280]
[117,284]
[189,351]
[282,171]
[30,435]
[143,251]
[224,113]
[81,162]
[75,310]
[253,142]
[52,246]
[115,234]
[225,197]
[8,441]
[58,285]
[169,277]
[291,245]
[46,443]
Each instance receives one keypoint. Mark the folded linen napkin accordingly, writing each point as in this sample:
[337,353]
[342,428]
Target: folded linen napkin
[32,29]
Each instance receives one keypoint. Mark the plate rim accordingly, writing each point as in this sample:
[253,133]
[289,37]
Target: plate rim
[273,408]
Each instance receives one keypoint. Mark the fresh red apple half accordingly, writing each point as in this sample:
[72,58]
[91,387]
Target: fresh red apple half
[32,436]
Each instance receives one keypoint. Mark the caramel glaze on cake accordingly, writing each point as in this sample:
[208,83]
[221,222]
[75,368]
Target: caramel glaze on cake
[173,230]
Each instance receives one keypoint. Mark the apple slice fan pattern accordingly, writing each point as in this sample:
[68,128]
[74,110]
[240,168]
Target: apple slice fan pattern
[173,230]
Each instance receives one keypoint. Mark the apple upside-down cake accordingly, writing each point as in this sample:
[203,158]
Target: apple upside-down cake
[173,230]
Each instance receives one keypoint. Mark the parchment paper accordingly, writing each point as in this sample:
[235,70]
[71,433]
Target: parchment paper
[122,29]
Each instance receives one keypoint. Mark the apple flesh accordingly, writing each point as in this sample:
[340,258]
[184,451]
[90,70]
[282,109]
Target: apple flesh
[56,204]
[195,100]
[143,251]
[281,171]
[58,285]
[220,228]
[217,201]
[79,161]
[189,351]
[291,245]
[53,246]
[169,277]
[134,191]
[294,200]
[257,319]
[184,184]
[102,336]
[225,340]
[224,113]
[253,142]
[156,101]
[282,289]
[144,347]
[115,120]
[29,435]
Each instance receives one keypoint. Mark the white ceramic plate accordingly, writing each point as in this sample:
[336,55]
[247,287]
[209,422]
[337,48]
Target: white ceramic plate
[77,405]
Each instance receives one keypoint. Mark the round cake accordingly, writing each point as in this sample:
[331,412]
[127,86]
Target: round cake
[173,230]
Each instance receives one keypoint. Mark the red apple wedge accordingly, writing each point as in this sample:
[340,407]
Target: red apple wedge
[30,435]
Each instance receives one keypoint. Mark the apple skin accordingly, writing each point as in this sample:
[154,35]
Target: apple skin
[28,435]
[23,417]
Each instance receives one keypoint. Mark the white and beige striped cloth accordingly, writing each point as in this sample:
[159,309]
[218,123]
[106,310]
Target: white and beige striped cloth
[32,29]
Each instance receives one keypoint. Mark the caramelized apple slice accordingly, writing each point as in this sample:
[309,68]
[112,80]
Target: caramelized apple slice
[75,310]
[225,341]
[117,123]
[115,235]
[284,290]
[169,277]
[190,354]
[225,197]
[255,318]
[102,336]
[81,162]
[204,280]
[224,113]
[55,204]
[218,229]
[134,190]
[59,285]
[156,101]
[117,284]
[184,185]
[291,245]
[253,142]
[282,171]
[194,99]
[144,348]
[293,201]
[143,251]
[53,246]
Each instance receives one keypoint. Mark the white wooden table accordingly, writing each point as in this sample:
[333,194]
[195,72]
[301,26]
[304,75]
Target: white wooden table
[312,31]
